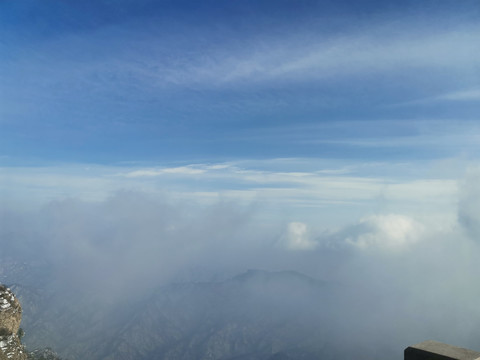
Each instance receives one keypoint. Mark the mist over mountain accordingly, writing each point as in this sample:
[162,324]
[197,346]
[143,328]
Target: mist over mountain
[255,315]
[97,280]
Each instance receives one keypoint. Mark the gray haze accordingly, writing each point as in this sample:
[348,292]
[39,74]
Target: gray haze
[395,280]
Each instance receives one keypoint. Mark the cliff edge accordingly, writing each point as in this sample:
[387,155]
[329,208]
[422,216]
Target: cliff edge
[10,318]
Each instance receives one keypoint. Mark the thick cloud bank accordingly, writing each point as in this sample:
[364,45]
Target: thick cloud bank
[397,280]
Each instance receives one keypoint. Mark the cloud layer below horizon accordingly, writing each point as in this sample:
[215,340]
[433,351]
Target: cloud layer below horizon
[400,277]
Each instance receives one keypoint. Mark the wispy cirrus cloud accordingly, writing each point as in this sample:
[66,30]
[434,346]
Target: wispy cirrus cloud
[181,170]
[335,194]
[306,57]
[299,56]
[179,92]
[462,95]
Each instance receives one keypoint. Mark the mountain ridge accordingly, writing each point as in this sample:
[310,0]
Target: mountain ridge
[253,315]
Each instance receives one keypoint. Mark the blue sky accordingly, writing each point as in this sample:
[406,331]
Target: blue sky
[191,97]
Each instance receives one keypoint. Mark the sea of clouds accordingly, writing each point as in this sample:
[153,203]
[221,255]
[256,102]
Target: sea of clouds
[400,279]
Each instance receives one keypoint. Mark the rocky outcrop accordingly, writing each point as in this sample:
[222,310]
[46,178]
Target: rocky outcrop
[10,317]
[43,354]
[10,312]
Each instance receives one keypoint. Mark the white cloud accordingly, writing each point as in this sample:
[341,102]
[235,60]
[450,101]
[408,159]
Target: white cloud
[335,196]
[297,237]
[390,232]
[463,95]
[181,170]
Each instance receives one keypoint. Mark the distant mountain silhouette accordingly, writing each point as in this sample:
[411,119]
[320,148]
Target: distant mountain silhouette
[254,315]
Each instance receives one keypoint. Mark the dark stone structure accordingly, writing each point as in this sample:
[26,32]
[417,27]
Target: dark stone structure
[433,350]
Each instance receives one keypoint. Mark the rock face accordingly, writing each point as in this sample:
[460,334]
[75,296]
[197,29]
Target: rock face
[43,354]
[10,317]
[10,312]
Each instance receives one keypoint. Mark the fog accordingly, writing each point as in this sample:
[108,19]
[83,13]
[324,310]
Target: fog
[396,281]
